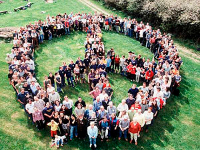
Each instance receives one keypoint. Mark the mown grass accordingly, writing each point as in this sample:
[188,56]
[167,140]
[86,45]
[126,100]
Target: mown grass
[176,127]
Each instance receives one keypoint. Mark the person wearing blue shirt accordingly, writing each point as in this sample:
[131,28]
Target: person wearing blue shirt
[104,124]
[92,132]
[108,64]
[97,104]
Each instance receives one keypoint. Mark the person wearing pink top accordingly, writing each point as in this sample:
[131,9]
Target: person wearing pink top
[38,118]
[95,93]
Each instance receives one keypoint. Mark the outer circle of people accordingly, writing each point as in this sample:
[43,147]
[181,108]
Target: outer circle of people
[44,106]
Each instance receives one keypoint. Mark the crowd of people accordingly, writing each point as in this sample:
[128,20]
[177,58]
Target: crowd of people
[68,118]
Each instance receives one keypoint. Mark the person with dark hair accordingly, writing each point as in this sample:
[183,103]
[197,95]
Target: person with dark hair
[58,82]
[82,126]
[104,127]
[51,78]
[114,123]
[48,112]
[38,118]
[73,127]
[68,74]
[62,75]
[82,102]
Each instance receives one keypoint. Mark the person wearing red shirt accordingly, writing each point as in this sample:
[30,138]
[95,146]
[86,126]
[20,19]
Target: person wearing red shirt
[136,105]
[117,60]
[134,130]
[130,71]
[106,84]
[149,75]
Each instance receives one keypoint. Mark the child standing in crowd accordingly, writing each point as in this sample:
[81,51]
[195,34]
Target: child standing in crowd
[54,128]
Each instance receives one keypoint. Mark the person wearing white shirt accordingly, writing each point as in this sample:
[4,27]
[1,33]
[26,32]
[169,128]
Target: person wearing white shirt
[30,108]
[140,118]
[68,104]
[148,118]
[53,97]
[158,93]
[103,95]
[122,106]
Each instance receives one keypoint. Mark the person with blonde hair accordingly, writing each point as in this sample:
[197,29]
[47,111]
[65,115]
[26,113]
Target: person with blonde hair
[134,130]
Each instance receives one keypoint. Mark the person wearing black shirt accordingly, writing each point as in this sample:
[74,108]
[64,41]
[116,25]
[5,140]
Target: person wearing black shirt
[48,112]
[81,102]
[82,72]
[10,74]
[101,65]
[72,65]
[22,97]
[82,126]
[87,64]
[27,88]
[130,101]
[62,75]
[139,61]
[134,90]
[69,76]
[51,78]
[95,81]
[73,126]
[112,57]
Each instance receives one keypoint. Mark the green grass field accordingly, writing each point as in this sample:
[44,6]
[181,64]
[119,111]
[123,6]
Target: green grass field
[176,127]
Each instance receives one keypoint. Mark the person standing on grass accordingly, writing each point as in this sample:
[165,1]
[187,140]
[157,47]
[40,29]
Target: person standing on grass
[149,76]
[77,73]
[92,132]
[134,90]
[108,64]
[68,74]
[22,97]
[73,127]
[114,123]
[62,75]
[123,128]
[95,93]
[53,97]
[51,78]
[117,61]
[54,128]
[104,125]
[38,118]
[46,82]
[68,105]
[30,109]
[148,118]
[134,130]
[48,112]
[82,126]
[58,82]
[122,62]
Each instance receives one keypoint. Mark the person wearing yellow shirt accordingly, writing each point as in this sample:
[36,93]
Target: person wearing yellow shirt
[54,128]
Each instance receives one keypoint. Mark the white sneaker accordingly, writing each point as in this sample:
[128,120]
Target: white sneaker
[90,145]
[95,145]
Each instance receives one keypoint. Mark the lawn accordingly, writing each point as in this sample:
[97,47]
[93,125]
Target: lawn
[176,127]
